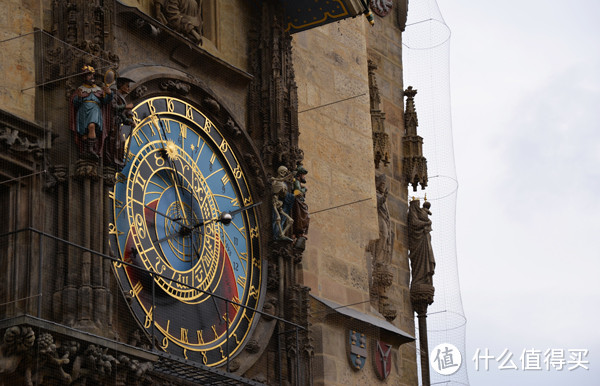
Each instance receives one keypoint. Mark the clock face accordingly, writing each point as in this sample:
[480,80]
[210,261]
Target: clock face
[180,177]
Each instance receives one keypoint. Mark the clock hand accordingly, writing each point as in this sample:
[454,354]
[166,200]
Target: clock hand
[225,217]
[173,169]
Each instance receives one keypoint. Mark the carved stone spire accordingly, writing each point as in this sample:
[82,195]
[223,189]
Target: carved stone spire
[381,141]
[414,167]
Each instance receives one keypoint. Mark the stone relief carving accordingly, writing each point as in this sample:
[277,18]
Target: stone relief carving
[25,359]
[175,85]
[231,126]
[183,16]
[212,105]
[16,343]
[16,141]
[140,91]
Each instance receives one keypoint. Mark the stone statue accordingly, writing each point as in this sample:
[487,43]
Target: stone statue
[121,116]
[300,209]
[282,204]
[90,113]
[381,252]
[184,16]
[382,249]
[421,257]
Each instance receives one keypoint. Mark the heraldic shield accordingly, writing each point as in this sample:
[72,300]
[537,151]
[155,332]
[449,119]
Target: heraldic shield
[357,349]
[382,360]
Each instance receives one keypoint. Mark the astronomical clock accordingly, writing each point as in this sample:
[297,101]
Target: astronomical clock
[186,232]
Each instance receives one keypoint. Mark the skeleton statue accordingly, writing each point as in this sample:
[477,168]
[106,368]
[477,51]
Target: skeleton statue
[282,204]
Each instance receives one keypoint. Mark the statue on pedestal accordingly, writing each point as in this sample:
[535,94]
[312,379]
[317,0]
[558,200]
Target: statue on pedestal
[282,204]
[121,116]
[90,114]
[419,243]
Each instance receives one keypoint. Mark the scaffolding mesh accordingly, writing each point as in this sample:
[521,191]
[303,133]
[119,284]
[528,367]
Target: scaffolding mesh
[426,68]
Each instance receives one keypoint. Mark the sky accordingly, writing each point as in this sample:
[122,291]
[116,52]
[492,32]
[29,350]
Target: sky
[525,105]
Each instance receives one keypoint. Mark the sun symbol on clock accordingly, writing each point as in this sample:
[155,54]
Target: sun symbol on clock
[171,150]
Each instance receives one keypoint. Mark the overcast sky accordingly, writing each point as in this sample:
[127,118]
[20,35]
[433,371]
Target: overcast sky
[525,97]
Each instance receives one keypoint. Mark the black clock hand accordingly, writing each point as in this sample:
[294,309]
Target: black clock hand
[233,213]
[225,217]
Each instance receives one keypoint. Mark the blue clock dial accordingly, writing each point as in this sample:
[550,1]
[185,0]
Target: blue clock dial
[180,176]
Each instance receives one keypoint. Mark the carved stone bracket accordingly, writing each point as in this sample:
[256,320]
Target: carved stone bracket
[421,296]
[87,168]
[109,176]
[414,165]
[382,280]
[56,175]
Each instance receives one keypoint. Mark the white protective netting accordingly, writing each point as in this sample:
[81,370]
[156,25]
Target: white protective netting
[426,67]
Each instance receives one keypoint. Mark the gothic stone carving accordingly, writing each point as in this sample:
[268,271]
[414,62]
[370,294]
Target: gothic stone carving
[273,126]
[182,88]
[81,34]
[381,141]
[49,359]
[18,142]
[290,212]
[414,165]
[381,252]
[273,102]
[183,16]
